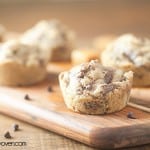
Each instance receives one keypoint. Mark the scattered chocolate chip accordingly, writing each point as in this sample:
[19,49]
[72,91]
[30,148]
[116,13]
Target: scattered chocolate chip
[108,76]
[50,89]
[26,97]
[15,127]
[7,135]
[131,115]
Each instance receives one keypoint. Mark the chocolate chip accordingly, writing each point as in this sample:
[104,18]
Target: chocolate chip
[131,115]
[15,127]
[50,89]
[108,88]
[123,78]
[108,76]
[91,105]
[7,135]
[80,74]
[91,67]
[26,97]
[128,57]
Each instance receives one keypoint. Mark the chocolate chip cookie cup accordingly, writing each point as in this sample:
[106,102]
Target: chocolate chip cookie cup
[129,52]
[21,64]
[53,37]
[90,88]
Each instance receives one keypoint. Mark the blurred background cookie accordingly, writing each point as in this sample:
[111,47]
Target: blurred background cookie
[53,37]
[21,64]
[129,52]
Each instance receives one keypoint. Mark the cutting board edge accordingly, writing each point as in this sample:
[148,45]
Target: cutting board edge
[99,137]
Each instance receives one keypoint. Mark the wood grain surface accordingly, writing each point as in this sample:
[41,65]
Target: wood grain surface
[40,139]
[47,110]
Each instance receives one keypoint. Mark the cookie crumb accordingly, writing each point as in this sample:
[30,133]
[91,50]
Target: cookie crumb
[26,97]
[7,135]
[131,115]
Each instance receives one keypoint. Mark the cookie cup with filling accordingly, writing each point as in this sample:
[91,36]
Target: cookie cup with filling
[21,64]
[90,88]
[53,37]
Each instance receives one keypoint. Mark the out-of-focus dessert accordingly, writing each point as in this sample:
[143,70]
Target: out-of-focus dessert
[21,64]
[129,52]
[53,37]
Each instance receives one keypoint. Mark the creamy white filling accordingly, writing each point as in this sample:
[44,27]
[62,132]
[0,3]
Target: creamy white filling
[26,54]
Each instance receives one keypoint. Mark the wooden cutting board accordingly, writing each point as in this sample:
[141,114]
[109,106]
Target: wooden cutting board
[47,110]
